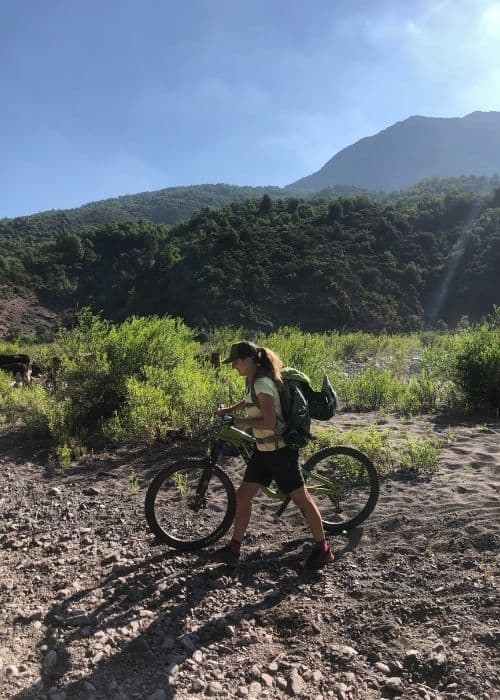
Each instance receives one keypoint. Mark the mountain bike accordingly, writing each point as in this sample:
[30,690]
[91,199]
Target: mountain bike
[191,503]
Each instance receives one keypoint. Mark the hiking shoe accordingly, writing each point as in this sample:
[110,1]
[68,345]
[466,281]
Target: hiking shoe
[319,557]
[225,555]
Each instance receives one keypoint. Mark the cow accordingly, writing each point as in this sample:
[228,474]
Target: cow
[19,370]
[19,365]
[16,357]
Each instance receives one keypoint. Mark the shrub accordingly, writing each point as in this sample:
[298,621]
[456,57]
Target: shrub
[370,390]
[419,454]
[410,453]
[476,367]
[373,441]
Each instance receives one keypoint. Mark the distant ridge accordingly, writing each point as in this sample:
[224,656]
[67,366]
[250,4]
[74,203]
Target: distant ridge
[412,150]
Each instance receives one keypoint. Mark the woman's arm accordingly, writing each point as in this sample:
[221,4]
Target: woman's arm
[231,409]
[265,422]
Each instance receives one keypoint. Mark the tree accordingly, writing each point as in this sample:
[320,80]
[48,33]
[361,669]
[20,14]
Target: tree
[266,204]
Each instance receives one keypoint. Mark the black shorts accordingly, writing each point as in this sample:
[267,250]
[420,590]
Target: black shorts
[281,466]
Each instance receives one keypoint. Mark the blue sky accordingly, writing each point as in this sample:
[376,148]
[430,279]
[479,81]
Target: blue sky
[109,97]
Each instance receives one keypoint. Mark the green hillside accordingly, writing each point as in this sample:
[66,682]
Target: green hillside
[347,263]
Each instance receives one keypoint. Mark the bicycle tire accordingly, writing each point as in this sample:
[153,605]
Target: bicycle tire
[170,516]
[357,479]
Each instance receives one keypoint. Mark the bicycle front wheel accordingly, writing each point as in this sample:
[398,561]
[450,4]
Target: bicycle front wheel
[187,512]
[345,485]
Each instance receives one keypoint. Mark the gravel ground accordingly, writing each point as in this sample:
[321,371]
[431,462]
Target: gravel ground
[90,607]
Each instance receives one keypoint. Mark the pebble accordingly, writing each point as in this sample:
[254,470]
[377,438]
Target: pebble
[383,668]
[254,689]
[10,671]
[267,680]
[296,683]
[394,684]
[214,689]
[49,661]
[438,659]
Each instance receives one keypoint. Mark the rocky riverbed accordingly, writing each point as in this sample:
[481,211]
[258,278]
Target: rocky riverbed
[91,607]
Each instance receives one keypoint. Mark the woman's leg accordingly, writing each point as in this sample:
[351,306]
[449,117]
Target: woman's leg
[244,497]
[310,511]
[321,553]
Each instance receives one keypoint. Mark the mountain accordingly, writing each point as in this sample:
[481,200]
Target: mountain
[411,150]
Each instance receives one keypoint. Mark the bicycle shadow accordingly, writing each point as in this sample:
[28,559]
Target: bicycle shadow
[139,622]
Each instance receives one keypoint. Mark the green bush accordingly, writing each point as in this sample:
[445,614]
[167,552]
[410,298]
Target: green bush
[373,441]
[419,454]
[141,379]
[476,367]
[388,455]
[370,390]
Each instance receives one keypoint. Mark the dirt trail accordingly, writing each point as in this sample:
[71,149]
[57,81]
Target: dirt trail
[89,608]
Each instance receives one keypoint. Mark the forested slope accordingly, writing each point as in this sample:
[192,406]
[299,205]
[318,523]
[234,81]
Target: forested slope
[345,263]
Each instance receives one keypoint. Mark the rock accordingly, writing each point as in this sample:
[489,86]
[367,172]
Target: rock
[383,668]
[342,691]
[254,689]
[394,684]
[49,661]
[267,680]
[281,683]
[214,689]
[438,659]
[186,641]
[92,491]
[54,491]
[111,557]
[296,684]
[412,656]
[350,652]
[449,629]
[197,685]
[10,671]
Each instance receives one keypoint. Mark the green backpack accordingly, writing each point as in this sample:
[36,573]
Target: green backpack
[300,403]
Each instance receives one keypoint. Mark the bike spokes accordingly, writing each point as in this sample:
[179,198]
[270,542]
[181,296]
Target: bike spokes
[191,504]
[344,484]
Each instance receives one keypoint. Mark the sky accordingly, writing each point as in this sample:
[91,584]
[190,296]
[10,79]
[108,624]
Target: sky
[110,97]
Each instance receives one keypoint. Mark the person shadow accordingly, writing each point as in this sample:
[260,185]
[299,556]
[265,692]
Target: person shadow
[127,635]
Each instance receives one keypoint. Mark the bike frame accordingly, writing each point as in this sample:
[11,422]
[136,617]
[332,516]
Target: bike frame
[245,444]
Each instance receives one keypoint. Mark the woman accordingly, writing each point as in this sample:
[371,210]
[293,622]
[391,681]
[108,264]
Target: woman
[271,460]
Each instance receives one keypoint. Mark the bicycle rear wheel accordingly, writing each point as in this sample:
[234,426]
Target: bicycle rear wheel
[184,512]
[345,485]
